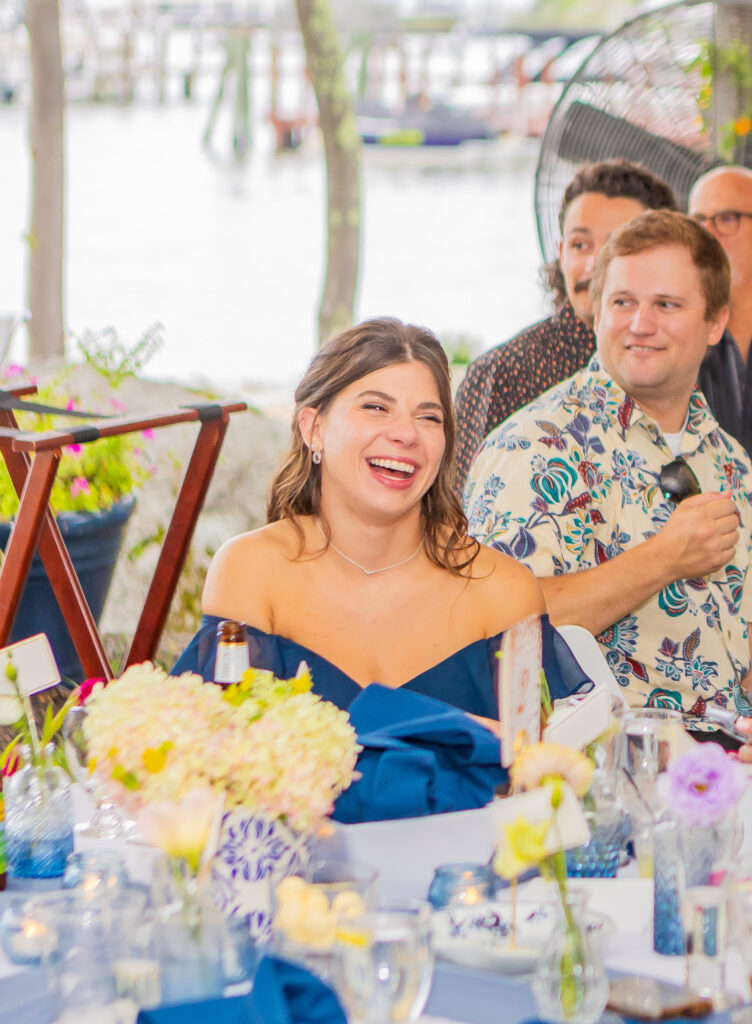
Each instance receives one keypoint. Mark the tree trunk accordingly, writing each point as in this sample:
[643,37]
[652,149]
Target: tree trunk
[47,163]
[342,150]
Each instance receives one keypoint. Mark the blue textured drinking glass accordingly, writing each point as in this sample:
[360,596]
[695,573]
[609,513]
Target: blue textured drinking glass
[598,858]
[38,818]
[668,890]
[454,884]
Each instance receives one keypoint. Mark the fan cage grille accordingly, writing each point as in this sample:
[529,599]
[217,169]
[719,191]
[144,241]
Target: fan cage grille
[635,96]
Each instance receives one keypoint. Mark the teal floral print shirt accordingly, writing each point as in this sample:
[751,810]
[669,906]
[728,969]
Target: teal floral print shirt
[571,481]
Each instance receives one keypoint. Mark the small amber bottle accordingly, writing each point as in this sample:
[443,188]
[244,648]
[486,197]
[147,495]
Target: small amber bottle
[232,651]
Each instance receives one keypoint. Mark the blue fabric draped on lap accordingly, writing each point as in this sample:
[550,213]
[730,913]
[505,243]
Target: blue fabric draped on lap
[282,994]
[421,754]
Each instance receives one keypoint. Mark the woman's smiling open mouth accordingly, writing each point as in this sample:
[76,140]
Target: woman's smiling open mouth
[397,471]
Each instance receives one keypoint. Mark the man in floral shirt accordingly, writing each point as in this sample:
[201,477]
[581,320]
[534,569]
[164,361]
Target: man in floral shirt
[599,198]
[572,484]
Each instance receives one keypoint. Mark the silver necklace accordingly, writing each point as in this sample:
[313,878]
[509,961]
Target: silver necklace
[368,572]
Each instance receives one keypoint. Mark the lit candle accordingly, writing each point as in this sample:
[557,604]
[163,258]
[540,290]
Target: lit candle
[469,895]
[89,885]
[29,942]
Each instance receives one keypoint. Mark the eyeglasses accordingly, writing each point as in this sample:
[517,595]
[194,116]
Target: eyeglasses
[725,222]
[677,481]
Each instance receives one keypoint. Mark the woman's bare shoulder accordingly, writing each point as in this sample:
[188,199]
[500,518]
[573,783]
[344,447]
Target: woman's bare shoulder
[503,590]
[239,578]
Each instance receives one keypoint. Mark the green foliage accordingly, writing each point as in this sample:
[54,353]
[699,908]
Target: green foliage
[461,349]
[733,60]
[91,477]
[106,353]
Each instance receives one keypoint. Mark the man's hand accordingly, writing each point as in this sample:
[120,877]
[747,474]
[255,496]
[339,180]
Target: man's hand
[700,537]
[745,725]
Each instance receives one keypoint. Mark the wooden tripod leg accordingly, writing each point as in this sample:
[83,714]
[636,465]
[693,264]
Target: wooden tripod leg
[23,538]
[72,600]
[177,540]
[60,572]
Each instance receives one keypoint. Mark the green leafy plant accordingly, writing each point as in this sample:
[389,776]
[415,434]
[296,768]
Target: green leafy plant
[16,710]
[91,477]
[734,61]
[461,349]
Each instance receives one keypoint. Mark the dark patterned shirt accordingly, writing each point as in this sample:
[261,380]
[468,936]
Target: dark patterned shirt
[726,382]
[501,381]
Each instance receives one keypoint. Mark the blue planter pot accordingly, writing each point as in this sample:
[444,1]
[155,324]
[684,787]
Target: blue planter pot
[93,540]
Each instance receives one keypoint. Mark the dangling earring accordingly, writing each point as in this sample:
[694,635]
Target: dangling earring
[316,455]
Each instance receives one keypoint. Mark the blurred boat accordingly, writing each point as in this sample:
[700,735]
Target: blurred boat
[422,122]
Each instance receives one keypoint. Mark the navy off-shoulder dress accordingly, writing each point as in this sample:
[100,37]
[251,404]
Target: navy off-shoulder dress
[466,679]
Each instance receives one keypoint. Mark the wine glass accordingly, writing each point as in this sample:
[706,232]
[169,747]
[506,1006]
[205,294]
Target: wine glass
[107,822]
[385,964]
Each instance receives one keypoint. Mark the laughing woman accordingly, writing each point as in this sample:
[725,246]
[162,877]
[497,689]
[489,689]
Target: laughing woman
[365,569]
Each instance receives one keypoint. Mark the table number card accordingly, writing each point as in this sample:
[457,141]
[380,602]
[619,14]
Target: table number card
[519,687]
[35,664]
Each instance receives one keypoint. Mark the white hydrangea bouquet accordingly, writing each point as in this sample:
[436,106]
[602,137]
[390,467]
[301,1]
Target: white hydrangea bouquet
[270,752]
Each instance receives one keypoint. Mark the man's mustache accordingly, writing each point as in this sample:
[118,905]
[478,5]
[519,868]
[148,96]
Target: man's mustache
[582,286]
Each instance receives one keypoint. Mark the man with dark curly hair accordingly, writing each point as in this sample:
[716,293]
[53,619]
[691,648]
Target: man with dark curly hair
[599,198]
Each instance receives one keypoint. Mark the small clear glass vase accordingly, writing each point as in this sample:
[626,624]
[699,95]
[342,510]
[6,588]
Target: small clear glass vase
[38,817]
[189,934]
[570,985]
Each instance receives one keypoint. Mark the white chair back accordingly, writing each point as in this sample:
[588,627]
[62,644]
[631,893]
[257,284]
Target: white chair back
[586,650]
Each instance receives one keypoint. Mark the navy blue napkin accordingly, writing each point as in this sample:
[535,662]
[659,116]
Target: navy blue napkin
[282,993]
[420,756]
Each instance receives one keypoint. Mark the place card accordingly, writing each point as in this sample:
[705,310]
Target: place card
[520,662]
[569,827]
[580,720]
[35,664]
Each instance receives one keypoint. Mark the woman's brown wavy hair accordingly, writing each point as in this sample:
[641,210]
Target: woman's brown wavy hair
[351,355]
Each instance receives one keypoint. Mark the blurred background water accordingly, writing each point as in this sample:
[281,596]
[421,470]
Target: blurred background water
[229,256]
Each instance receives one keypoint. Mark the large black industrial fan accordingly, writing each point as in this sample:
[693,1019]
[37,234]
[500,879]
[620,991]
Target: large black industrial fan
[659,91]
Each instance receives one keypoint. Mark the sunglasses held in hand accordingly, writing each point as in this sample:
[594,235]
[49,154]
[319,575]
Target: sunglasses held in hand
[677,481]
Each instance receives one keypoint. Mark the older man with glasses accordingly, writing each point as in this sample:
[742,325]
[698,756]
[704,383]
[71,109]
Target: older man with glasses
[621,492]
[721,201]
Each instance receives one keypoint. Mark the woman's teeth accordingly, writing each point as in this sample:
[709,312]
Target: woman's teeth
[393,464]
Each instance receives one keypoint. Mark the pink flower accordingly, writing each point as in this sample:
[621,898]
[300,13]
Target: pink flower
[14,370]
[148,433]
[117,405]
[80,485]
[71,404]
[86,687]
[74,449]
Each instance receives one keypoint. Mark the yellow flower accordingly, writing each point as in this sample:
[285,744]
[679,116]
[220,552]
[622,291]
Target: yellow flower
[742,126]
[181,827]
[547,762]
[522,847]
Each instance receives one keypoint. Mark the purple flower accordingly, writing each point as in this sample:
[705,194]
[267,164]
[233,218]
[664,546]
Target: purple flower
[702,785]
[74,449]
